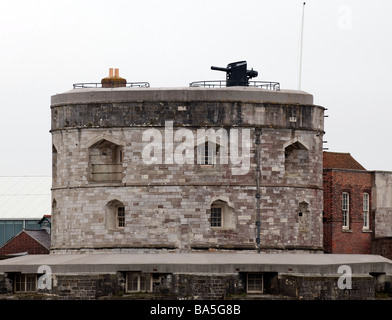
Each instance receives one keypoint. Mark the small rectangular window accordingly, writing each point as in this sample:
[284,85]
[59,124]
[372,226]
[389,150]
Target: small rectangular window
[255,283]
[25,282]
[365,211]
[207,153]
[120,217]
[137,281]
[345,210]
[216,217]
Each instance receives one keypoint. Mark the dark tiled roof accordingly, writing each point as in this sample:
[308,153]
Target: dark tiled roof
[337,160]
[40,235]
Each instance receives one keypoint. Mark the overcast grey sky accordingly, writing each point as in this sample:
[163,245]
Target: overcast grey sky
[48,45]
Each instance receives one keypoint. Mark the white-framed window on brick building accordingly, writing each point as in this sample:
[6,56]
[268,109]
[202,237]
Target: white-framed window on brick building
[345,210]
[365,211]
[25,282]
[138,281]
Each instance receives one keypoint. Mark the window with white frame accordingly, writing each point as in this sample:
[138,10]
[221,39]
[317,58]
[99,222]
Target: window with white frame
[138,281]
[120,217]
[115,215]
[366,211]
[207,153]
[255,283]
[25,282]
[345,209]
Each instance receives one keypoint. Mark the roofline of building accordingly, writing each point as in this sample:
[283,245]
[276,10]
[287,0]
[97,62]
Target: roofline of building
[382,171]
[21,218]
[24,230]
[294,263]
[41,230]
[347,170]
[357,170]
[181,94]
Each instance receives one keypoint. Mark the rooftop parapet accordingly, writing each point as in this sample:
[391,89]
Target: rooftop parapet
[181,94]
[112,81]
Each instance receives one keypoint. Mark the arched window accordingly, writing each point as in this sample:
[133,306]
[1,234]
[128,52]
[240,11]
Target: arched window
[105,161]
[207,153]
[296,158]
[209,150]
[115,215]
[222,215]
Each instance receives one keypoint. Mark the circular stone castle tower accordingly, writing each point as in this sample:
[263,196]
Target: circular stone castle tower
[140,169]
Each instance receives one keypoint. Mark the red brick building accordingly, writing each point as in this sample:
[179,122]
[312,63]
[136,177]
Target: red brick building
[348,220]
[29,242]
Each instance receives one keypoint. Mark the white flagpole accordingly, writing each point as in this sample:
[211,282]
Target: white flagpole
[302,39]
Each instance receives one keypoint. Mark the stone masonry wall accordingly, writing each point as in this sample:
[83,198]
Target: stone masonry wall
[5,284]
[88,286]
[382,203]
[195,286]
[167,204]
[313,287]
[383,247]
[200,286]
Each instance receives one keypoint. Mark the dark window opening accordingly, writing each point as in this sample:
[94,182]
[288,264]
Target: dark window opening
[261,282]
[25,282]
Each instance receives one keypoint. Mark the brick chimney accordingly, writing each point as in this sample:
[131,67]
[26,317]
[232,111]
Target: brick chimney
[113,81]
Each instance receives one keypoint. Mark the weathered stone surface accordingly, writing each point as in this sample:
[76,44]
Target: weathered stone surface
[167,204]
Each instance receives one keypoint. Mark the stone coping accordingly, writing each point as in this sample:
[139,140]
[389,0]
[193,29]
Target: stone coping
[180,94]
[312,264]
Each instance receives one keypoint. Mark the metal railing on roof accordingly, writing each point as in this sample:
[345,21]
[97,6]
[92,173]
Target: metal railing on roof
[269,85]
[99,85]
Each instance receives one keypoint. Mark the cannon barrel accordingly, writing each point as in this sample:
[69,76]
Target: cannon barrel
[220,69]
[252,73]
[237,74]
